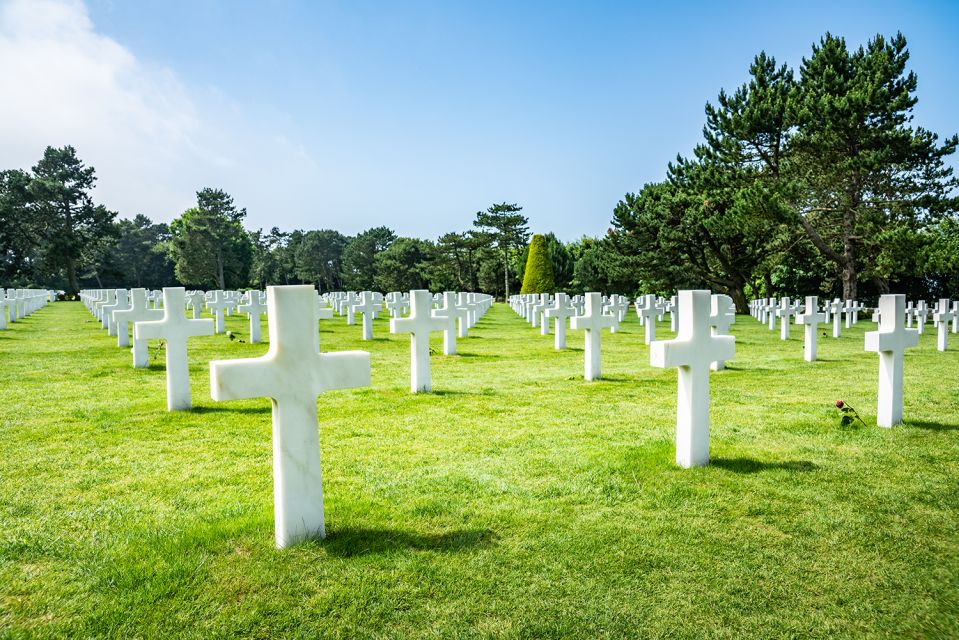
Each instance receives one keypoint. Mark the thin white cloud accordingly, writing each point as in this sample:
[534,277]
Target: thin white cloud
[140,126]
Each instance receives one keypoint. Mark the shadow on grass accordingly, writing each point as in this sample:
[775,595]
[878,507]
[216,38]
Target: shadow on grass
[228,409]
[748,465]
[931,426]
[466,354]
[352,541]
[454,393]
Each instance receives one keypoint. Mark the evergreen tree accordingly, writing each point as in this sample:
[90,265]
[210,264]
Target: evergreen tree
[64,216]
[359,257]
[506,228]
[865,178]
[538,276]
[208,244]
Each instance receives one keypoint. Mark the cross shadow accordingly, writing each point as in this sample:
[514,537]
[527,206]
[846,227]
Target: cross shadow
[930,426]
[613,377]
[452,392]
[749,465]
[350,542]
[466,354]
[228,409]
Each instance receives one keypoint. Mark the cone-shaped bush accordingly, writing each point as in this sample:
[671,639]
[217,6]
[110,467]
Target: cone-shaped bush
[538,277]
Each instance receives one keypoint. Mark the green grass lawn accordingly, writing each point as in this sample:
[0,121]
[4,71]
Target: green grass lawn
[515,501]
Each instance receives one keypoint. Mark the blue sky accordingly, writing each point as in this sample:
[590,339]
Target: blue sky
[413,115]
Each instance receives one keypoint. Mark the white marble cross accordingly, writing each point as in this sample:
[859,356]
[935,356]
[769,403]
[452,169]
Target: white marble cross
[891,341]
[785,312]
[617,307]
[419,324]
[217,304]
[454,312]
[175,329]
[810,319]
[195,300]
[836,307]
[396,305]
[560,312]
[944,316]
[367,307]
[546,303]
[722,315]
[771,305]
[139,311]
[120,301]
[292,374]
[692,351]
[593,321]
[462,299]
[111,298]
[648,313]
[253,308]
[921,313]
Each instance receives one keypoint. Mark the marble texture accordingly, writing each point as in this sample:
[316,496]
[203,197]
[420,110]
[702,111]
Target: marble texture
[292,374]
[419,324]
[692,351]
[592,321]
[890,342]
[253,307]
[175,329]
[810,318]
[560,312]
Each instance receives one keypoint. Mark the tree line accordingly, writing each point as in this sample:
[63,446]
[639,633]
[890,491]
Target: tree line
[816,182]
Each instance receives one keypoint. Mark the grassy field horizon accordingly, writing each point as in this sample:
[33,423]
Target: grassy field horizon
[515,501]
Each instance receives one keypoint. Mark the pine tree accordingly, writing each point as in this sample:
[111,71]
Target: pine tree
[539,268]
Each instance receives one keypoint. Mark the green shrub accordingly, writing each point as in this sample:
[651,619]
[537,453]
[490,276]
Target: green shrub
[538,277]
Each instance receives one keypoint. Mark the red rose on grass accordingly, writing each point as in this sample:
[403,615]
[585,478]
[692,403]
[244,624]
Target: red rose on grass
[839,404]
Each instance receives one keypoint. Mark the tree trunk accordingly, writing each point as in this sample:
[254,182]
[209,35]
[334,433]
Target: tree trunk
[72,276]
[768,284]
[220,280]
[849,268]
[738,294]
[506,273]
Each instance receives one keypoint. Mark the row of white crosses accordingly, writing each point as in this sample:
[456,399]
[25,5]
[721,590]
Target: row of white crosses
[19,303]
[945,317]
[119,310]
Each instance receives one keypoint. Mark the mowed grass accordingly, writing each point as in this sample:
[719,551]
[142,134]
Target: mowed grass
[516,501]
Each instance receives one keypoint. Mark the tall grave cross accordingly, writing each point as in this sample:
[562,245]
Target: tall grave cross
[692,351]
[785,312]
[648,313]
[419,324]
[891,341]
[454,312]
[119,302]
[139,311]
[560,312]
[722,315]
[175,328]
[810,319]
[617,307]
[836,307]
[292,374]
[217,304]
[195,300]
[944,316]
[367,307]
[253,308]
[592,322]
